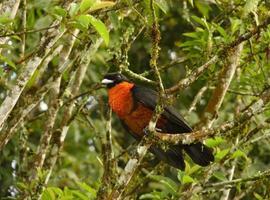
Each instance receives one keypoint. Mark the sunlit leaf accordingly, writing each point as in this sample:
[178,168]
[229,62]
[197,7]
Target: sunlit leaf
[5,20]
[84,20]
[101,4]
[187,179]
[238,153]
[48,194]
[87,188]
[214,142]
[80,195]
[221,154]
[257,196]
[169,183]
[163,5]
[100,28]
[86,4]
[191,2]
[57,10]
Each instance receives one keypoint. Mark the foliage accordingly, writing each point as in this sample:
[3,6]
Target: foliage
[77,43]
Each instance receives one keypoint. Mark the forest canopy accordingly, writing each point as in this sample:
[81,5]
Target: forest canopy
[59,139]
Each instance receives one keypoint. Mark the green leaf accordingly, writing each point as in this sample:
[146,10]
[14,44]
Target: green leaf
[100,28]
[235,25]
[86,4]
[48,194]
[194,169]
[101,4]
[191,2]
[191,35]
[1,71]
[222,154]
[8,61]
[57,10]
[257,196]
[220,176]
[57,191]
[87,188]
[5,20]
[201,21]
[238,153]
[203,8]
[151,196]
[187,179]
[214,142]
[167,182]
[80,195]
[222,31]
[184,178]
[163,5]
[84,20]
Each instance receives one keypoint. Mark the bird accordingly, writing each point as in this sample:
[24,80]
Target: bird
[134,105]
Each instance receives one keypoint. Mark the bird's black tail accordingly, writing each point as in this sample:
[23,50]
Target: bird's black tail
[199,153]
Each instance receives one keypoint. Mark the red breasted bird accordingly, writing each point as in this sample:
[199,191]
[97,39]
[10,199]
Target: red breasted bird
[134,106]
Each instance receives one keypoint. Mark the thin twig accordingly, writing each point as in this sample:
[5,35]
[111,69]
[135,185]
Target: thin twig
[25,32]
[192,77]
[196,99]
[228,184]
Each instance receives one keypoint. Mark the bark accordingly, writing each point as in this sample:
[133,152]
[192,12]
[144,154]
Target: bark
[20,115]
[60,132]
[224,80]
[129,171]
[26,73]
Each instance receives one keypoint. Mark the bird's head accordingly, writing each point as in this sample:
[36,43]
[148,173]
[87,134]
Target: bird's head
[112,79]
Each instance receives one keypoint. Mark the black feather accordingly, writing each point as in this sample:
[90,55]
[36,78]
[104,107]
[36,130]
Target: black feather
[149,98]
[199,153]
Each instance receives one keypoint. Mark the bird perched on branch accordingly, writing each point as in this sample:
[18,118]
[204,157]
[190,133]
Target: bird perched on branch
[135,105]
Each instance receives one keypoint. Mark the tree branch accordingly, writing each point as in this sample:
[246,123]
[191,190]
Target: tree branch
[224,80]
[187,138]
[184,83]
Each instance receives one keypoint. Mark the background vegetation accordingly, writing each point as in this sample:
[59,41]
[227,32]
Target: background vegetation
[58,139]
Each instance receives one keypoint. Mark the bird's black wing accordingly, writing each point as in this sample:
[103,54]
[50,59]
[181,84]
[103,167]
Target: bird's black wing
[149,98]
[200,154]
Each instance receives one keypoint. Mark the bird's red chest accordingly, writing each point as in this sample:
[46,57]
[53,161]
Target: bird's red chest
[135,115]
[120,99]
